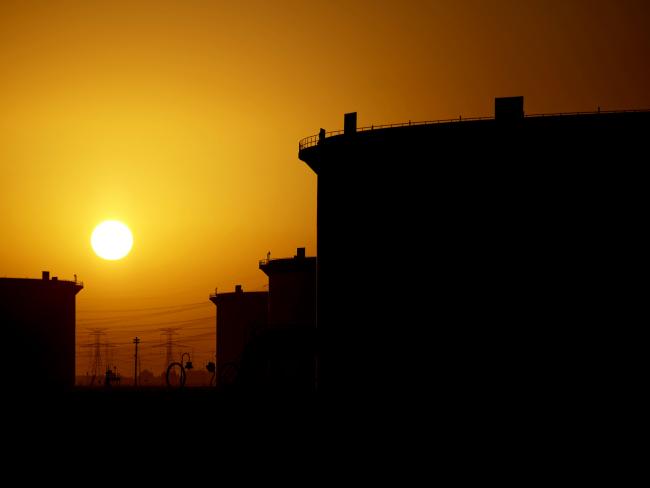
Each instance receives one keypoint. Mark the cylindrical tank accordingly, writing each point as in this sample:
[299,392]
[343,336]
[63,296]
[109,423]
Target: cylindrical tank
[38,318]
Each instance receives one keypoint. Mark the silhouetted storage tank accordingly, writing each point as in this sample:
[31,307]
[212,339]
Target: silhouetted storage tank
[292,290]
[453,255]
[241,316]
[38,318]
[283,358]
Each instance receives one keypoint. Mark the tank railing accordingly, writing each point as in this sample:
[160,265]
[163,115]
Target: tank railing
[559,114]
[264,262]
[80,283]
[40,279]
[313,140]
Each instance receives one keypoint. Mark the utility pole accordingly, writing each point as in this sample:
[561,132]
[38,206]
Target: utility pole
[136,341]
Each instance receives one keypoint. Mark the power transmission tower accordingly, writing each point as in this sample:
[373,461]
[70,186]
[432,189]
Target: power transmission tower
[136,341]
[169,332]
[109,357]
[96,364]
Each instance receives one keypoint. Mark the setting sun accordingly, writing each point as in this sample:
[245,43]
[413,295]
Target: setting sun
[112,240]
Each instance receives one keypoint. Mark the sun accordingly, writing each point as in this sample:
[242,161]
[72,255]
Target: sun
[111,240]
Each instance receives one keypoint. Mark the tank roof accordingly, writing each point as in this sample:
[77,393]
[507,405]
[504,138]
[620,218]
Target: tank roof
[315,140]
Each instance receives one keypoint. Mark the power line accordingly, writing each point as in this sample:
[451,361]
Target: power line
[193,304]
[133,317]
[153,324]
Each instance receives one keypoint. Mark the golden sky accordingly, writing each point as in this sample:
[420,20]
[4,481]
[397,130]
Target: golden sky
[182,119]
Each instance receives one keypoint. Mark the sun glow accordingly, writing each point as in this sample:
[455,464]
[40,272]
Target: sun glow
[112,240]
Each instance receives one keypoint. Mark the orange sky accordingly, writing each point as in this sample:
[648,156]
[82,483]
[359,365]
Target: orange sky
[182,119]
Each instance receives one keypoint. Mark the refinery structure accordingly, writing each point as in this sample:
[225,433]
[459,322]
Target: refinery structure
[38,318]
[452,254]
[457,258]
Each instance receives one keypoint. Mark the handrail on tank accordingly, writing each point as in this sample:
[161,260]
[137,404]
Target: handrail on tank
[313,140]
[264,262]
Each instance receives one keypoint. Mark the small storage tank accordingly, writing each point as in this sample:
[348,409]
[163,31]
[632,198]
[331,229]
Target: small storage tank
[38,318]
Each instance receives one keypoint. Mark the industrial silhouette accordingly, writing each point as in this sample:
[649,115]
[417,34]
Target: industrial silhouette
[240,317]
[460,257]
[292,290]
[38,318]
[97,368]
[266,340]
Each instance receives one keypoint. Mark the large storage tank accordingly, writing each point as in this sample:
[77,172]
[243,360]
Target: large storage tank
[292,290]
[38,319]
[241,316]
[477,244]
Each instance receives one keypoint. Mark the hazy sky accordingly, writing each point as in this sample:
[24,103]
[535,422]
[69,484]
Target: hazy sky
[182,119]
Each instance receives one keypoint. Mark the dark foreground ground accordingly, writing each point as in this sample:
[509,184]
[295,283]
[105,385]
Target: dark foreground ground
[388,437]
